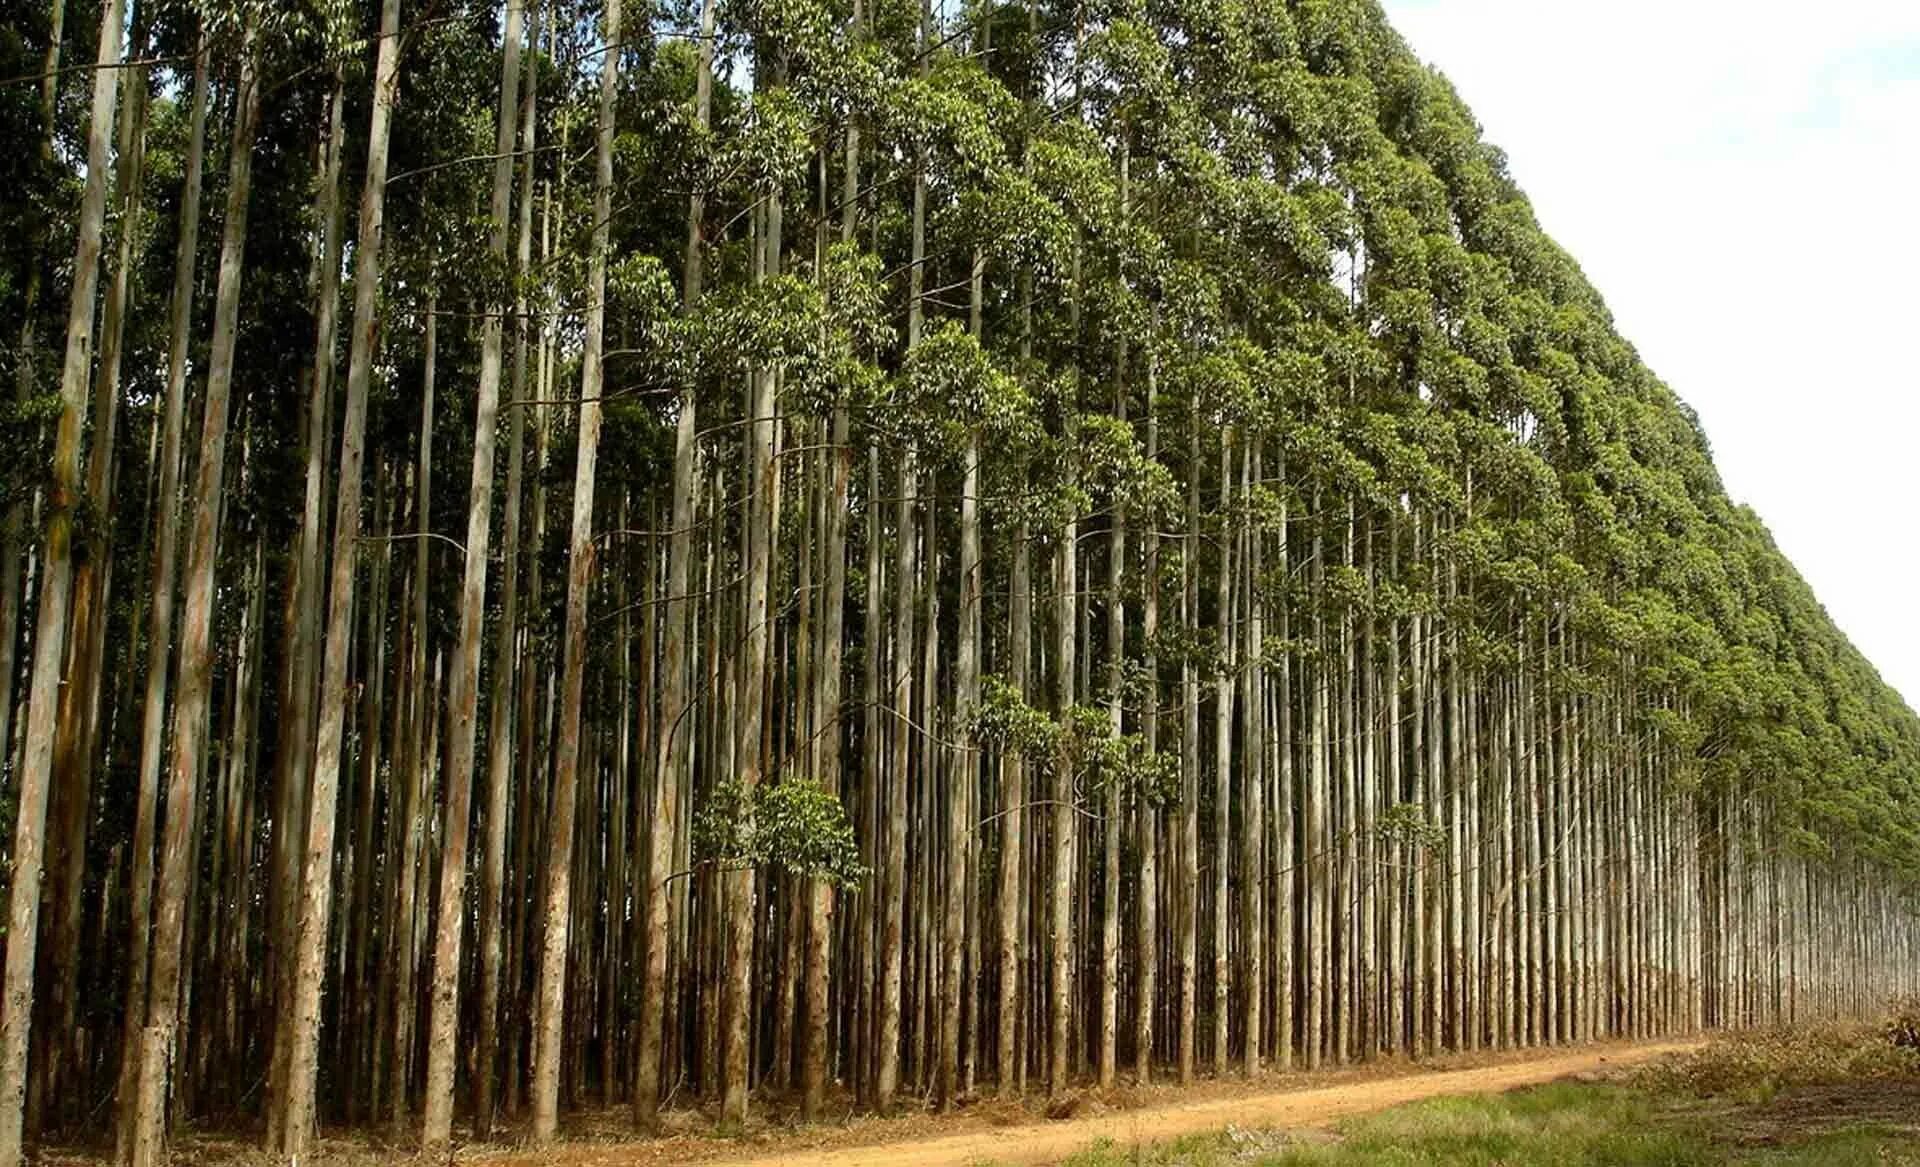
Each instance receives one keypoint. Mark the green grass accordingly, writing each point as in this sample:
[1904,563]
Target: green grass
[1551,1126]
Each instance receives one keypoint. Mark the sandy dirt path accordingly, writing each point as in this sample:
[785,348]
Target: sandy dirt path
[1050,1142]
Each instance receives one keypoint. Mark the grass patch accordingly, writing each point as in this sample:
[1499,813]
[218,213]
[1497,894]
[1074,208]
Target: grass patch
[1561,1124]
[1809,1098]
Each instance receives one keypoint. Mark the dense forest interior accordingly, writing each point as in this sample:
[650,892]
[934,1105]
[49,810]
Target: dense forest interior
[670,553]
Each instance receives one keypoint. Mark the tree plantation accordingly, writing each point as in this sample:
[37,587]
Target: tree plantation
[666,553]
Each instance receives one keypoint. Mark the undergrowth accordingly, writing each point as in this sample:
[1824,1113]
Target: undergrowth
[1756,1066]
[1713,1108]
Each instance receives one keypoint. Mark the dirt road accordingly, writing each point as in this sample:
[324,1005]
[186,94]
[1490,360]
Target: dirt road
[1050,1142]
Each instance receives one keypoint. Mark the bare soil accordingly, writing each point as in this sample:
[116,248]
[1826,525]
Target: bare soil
[1009,1133]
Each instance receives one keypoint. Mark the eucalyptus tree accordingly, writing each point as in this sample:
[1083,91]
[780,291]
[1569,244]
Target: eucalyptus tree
[551,987]
[302,1027]
[437,1123]
[1288,624]
[50,636]
[157,1048]
[160,628]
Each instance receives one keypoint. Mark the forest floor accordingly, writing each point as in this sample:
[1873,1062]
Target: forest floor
[1821,1098]
[988,1131]
[1277,1101]
[1819,1095]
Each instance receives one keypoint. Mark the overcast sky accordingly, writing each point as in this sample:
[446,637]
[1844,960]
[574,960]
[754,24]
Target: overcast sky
[1741,181]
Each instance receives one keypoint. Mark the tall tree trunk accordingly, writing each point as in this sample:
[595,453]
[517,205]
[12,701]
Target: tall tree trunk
[196,650]
[829,676]
[900,691]
[674,763]
[1224,687]
[295,754]
[464,685]
[1060,922]
[566,765]
[77,729]
[43,694]
[160,614]
[415,757]
[1110,797]
[1147,825]
[898,698]
[762,436]
[1013,798]
[1253,764]
[1188,901]
[500,710]
[316,888]
[963,775]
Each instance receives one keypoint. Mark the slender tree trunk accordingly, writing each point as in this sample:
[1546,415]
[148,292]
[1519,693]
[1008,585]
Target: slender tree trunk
[762,436]
[1013,798]
[160,616]
[1147,827]
[900,692]
[547,1052]
[295,754]
[317,878]
[964,772]
[500,708]
[417,755]
[1224,687]
[43,695]
[1252,767]
[1060,922]
[897,696]
[1188,903]
[1108,1060]
[464,685]
[78,717]
[675,738]
[196,652]
[815,1071]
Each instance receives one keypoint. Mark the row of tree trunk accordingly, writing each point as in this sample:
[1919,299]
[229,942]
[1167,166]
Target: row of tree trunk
[794,748]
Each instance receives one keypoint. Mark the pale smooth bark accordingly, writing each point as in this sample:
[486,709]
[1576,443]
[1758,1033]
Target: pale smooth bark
[501,701]
[1060,918]
[301,671]
[316,898]
[900,690]
[464,684]
[196,650]
[566,764]
[160,614]
[674,760]
[829,680]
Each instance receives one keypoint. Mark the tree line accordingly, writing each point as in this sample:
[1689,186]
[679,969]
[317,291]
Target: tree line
[571,553]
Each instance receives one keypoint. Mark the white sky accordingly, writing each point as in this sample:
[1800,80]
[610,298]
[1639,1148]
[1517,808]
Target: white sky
[1741,181]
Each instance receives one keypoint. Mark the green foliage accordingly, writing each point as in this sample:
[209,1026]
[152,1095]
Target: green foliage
[793,825]
[950,387]
[1410,824]
[1083,742]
